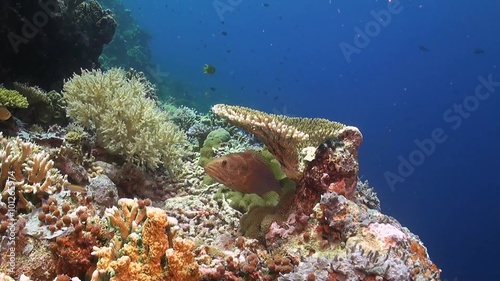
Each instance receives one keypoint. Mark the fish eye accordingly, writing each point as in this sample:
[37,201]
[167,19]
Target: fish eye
[224,163]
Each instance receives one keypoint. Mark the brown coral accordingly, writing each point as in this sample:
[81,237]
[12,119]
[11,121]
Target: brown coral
[334,169]
[284,136]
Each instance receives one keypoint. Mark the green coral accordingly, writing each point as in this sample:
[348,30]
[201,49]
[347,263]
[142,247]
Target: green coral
[257,221]
[126,122]
[12,98]
[273,164]
[245,202]
[214,139]
[74,137]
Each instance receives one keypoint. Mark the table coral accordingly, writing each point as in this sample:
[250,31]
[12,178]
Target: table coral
[283,136]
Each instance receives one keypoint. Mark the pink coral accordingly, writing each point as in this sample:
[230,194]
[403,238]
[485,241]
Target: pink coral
[388,234]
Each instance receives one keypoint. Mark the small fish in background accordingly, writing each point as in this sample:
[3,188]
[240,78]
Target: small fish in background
[223,33]
[76,188]
[245,172]
[478,51]
[4,113]
[209,69]
[423,49]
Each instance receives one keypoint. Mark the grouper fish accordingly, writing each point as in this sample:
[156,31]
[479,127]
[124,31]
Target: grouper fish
[245,172]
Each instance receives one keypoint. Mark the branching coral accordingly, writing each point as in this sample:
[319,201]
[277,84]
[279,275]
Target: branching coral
[125,120]
[131,216]
[45,107]
[283,136]
[146,234]
[26,169]
[181,262]
[12,98]
[32,94]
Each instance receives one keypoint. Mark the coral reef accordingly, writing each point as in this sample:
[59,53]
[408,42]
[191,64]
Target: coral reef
[333,169]
[47,41]
[43,107]
[326,225]
[126,121]
[367,196]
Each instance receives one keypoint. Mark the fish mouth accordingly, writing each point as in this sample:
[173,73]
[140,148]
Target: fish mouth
[212,173]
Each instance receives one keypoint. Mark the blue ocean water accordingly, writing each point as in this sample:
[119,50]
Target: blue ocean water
[419,78]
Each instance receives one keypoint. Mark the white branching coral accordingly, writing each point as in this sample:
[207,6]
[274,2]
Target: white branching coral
[25,168]
[125,120]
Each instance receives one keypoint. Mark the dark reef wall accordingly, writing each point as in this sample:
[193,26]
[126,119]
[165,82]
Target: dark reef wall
[129,48]
[44,42]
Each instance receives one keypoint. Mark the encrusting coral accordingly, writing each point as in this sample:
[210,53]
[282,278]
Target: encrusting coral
[334,169]
[283,136]
[125,120]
